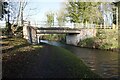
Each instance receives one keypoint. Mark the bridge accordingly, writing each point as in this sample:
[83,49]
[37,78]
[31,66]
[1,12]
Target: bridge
[73,35]
[57,30]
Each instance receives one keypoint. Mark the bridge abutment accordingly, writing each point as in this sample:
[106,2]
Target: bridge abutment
[30,34]
[74,39]
[27,34]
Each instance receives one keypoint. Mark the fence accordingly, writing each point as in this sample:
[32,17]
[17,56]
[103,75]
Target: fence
[77,25]
[88,26]
[107,27]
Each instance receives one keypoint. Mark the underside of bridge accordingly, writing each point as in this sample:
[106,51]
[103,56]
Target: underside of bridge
[70,38]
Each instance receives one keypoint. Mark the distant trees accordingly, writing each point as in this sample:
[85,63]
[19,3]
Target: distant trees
[61,17]
[50,18]
[83,11]
[91,12]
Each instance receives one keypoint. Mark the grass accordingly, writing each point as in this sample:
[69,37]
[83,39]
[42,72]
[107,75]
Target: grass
[76,66]
[54,37]
[33,60]
[13,46]
[106,39]
[12,43]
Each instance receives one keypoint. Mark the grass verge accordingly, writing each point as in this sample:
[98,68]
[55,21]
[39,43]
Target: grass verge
[56,62]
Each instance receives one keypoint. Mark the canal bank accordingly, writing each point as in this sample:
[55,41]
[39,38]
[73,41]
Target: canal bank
[41,61]
[105,63]
[105,39]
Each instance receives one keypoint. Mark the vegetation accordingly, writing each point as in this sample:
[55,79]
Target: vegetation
[4,31]
[105,39]
[61,18]
[4,6]
[12,43]
[78,70]
[79,12]
[12,13]
[54,37]
[55,59]
[50,19]
[6,12]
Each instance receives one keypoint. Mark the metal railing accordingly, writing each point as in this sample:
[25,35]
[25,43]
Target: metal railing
[76,25]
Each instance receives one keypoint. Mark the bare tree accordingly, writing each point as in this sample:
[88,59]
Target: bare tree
[18,14]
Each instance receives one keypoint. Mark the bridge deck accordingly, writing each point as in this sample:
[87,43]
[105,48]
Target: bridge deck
[57,32]
[53,30]
[57,28]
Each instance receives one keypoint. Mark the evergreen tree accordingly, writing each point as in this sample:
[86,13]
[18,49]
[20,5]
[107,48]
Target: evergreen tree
[83,11]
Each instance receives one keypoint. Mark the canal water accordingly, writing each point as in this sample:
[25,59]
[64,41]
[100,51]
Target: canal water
[104,63]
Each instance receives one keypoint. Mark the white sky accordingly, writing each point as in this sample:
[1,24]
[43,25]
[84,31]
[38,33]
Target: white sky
[37,9]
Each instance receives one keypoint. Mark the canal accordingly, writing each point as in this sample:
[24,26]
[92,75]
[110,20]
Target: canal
[105,63]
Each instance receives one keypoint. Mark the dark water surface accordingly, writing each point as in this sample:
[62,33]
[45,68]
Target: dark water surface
[105,63]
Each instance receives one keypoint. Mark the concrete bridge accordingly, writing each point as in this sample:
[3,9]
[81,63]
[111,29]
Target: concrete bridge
[57,30]
[73,35]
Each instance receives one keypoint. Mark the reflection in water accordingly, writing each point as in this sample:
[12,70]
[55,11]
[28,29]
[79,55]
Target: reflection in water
[104,63]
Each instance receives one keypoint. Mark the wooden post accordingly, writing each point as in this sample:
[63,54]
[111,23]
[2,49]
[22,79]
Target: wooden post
[101,26]
[38,38]
[104,26]
[116,16]
[113,26]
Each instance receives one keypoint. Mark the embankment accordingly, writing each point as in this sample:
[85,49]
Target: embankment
[41,61]
[106,39]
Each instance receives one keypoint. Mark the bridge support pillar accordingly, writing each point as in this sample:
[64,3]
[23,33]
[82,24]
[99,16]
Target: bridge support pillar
[30,34]
[72,39]
[33,35]
[27,33]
